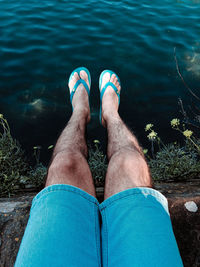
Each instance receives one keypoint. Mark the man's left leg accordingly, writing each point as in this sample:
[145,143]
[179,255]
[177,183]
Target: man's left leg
[63,228]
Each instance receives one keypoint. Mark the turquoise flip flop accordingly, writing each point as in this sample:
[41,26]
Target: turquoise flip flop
[79,82]
[105,87]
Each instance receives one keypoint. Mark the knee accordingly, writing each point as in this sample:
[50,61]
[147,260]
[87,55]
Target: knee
[127,157]
[131,162]
[65,163]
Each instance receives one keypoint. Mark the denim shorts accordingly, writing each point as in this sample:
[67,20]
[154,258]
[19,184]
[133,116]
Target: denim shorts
[68,227]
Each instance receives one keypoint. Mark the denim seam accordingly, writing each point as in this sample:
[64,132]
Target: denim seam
[130,195]
[68,190]
[97,249]
[106,235]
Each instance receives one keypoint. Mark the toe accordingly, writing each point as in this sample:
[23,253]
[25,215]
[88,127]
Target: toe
[106,78]
[116,82]
[73,81]
[84,76]
[112,79]
[76,76]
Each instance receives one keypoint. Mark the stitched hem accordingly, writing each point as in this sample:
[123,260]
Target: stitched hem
[66,188]
[135,191]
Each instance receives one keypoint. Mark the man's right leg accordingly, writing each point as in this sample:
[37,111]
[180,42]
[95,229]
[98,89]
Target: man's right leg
[136,224]
[63,228]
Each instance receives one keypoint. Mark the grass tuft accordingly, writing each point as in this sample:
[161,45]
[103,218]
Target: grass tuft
[97,162]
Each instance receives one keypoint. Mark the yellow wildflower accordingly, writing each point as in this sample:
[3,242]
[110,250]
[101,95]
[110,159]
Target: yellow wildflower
[175,122]
[187,133]
[145,151]
[148,127]
[152,135]
[37,147]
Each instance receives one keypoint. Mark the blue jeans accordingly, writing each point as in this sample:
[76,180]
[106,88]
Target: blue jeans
[68,227]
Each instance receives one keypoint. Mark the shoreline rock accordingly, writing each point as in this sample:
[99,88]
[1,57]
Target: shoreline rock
[184,206]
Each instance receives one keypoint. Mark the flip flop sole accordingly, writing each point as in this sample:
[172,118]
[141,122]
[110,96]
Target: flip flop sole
[104,89]
[78,70]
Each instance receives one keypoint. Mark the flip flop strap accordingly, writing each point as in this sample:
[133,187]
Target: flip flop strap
[76,86]
[114,88]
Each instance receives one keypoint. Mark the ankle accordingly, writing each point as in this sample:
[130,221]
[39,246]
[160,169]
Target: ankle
[82,113]
[110,115]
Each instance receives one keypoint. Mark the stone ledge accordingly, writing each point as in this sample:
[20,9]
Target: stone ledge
[184,206]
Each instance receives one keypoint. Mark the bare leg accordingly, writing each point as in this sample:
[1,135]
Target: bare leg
[69,161]
[127,166]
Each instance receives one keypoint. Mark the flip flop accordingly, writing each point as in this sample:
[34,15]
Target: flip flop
[105,87]
[79,82]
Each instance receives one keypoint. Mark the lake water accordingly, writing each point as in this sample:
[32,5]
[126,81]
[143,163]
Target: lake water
[41,42]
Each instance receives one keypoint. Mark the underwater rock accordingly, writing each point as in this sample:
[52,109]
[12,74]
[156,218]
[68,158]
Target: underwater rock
[192,60]
[38,105]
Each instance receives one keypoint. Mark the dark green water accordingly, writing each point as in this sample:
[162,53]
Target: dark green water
[41,42]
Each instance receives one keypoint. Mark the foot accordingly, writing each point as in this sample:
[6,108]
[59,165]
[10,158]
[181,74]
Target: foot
[80,99]
[110,99]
